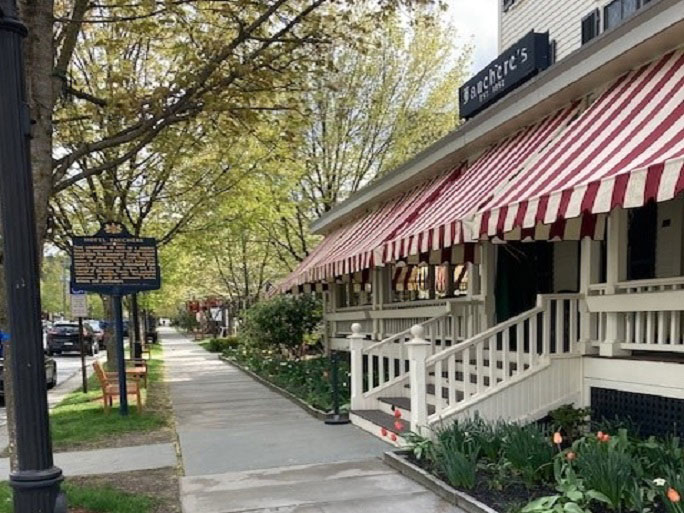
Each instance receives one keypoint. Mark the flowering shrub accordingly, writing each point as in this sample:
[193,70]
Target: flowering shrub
[597,472]
[308,379]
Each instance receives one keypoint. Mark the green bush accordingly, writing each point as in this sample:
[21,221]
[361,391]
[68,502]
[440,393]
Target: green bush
[283,321]
[219,345]
[308,379]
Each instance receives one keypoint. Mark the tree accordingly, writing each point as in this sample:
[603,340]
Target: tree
[367,115]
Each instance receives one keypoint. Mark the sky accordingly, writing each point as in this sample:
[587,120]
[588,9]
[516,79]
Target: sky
[477,22]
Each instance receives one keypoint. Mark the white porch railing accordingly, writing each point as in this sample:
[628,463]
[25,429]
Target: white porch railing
[647,314]
[498,355]
[393,318]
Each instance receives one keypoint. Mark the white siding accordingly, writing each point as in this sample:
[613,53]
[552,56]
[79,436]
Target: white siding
[565,266]
[561,19]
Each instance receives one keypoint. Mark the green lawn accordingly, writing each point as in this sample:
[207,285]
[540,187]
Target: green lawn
[80,418]
[98,499]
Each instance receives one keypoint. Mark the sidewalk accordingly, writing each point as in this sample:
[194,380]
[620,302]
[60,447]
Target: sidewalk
[246,448]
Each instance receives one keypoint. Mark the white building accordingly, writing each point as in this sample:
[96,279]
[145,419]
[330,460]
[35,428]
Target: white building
[539,246]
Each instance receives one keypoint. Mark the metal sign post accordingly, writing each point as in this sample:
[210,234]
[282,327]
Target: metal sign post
[115,263]
[79,310]
[84,374]
[121,357]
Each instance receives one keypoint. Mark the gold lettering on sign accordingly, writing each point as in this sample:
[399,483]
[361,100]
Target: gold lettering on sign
[118,261]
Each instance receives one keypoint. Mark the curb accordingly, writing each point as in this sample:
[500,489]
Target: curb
[314,412]
[398,461]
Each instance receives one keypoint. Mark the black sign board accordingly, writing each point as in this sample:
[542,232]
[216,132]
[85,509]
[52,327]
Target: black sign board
[114,262]
[510,69]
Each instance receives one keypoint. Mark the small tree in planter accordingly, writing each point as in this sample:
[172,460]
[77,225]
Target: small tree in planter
[283,321]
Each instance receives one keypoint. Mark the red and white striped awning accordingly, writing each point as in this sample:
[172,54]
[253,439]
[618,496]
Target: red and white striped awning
[625,150]
[428,217]
[437,223]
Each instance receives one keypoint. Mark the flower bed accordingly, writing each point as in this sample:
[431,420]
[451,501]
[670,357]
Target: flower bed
[515,468]
[307,379]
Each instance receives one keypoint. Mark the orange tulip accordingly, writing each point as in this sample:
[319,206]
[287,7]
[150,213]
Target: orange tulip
[673,495]
[570,456]
[606,438]
[557,438]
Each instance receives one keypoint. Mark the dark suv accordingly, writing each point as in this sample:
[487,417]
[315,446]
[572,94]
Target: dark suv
[63,338]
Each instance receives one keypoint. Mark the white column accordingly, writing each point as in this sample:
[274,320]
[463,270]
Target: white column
[616,270]
[487,283]
[418,351]
[377,297]
[589,264]
[356,358]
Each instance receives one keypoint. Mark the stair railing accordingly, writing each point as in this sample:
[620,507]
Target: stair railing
[493,358]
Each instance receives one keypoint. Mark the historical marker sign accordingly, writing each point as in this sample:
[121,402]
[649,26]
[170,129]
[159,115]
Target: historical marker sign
[114,262]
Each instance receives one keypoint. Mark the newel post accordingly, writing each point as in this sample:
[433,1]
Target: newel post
[418,352]
[356,350]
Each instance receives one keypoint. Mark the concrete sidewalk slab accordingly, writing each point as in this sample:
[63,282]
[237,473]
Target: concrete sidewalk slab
[367,486]
[109,461]
[247,449]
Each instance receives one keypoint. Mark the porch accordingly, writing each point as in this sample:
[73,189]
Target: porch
[441,358]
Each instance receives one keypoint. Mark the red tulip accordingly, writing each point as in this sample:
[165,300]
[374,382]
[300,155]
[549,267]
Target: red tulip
[398,425]
[383,432]
[397,414]
[393,437]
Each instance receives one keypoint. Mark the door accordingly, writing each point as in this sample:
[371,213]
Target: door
[524,269]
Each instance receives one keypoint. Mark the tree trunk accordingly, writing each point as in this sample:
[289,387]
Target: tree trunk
[110,333]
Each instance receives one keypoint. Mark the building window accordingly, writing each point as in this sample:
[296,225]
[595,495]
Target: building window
[591,26]
[619,10]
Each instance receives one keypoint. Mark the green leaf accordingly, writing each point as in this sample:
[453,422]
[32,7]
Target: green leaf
[598,496]
[572,507]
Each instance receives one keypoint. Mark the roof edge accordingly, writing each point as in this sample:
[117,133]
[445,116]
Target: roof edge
[652,31]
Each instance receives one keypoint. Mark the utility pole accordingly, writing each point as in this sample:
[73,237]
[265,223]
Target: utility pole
[36,480]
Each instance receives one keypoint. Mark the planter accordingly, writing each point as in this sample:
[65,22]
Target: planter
[314,412]
[398,460]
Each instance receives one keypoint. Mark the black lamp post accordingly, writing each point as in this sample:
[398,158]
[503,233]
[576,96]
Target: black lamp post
[36,480]
[335,418]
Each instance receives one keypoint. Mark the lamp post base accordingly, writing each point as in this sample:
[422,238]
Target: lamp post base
[38,491]
[336,419]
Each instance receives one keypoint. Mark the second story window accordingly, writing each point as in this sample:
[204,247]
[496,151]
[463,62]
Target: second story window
[507,4]
[591,26]
[618,10]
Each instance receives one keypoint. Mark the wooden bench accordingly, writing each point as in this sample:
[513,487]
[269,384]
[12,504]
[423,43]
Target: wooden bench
[109,381]
[136,368]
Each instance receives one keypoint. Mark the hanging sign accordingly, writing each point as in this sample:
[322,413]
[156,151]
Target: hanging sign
[114,262]
[514,66]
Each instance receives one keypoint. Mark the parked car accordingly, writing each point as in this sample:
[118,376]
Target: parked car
[63,338]
[98,331]
[50,375]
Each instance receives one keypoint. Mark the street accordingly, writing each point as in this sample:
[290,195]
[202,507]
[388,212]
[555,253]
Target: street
[67,366]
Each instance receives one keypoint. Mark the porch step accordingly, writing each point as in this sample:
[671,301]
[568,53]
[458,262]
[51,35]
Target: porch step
[383,420]
[403,403]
